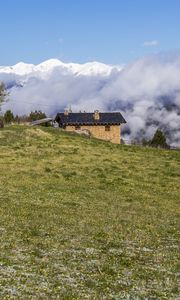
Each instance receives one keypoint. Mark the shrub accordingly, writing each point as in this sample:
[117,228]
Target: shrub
[37,115]
[8,117]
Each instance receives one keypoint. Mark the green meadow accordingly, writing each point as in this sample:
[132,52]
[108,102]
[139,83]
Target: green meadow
[85,219]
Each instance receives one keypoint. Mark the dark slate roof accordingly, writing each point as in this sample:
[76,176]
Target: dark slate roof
[110,118]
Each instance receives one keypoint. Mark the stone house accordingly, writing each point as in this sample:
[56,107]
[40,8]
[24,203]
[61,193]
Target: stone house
[105,126]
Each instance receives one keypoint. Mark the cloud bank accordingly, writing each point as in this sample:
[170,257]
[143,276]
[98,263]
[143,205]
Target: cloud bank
[147,92]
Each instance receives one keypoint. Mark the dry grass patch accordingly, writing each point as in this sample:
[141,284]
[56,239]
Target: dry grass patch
[37,132]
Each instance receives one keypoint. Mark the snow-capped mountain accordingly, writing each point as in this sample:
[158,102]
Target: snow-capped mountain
[89,69]
[147,91]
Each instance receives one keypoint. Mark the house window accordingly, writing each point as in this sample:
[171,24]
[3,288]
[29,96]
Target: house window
[77,127]
[107,128]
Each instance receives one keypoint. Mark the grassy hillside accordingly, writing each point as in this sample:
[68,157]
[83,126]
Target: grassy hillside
[86,219]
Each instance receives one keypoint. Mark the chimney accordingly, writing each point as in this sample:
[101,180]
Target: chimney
[96,115]
[66,112]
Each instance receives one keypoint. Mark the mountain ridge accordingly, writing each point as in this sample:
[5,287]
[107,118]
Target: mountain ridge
[89,68]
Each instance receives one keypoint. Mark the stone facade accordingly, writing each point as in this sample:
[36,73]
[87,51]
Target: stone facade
[104,126]
[108,133]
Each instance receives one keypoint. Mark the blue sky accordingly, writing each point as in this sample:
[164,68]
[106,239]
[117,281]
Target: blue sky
[109,31]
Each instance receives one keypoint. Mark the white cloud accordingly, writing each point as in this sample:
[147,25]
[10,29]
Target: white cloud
[151,43]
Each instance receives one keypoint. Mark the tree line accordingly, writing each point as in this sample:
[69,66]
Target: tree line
[8,117]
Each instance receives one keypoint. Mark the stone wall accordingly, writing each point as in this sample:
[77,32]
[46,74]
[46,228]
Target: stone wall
[99,132]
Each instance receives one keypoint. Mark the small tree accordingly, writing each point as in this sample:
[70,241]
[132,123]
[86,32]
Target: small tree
[8,117]
[3,98]
[17,119]
[3,94]
[1,122]
[159,140]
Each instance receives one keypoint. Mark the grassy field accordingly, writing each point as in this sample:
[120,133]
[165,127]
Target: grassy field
[86,219]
